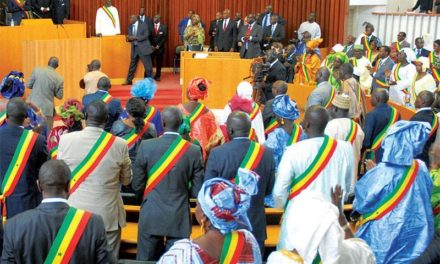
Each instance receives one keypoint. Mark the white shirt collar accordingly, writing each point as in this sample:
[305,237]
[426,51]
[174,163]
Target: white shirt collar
[171,133]
[54,200]
[423,109]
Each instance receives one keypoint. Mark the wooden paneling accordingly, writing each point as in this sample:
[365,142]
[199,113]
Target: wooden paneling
[331,14]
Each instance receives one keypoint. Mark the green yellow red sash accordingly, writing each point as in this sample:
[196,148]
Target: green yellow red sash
[396,72]
[54,152]
[17,165]
[377,142]
[382,84]
[325,153]
[273,124]
[20,4]
[398,46]
[196,113]
[296,135]
[92,160]
[106,98]
[332,96]
[394,198]
[304,68]
[435,72]
[109,14]
[354,62]
[232,247]
[351,137]
[68,236]
[252,135]
[151,112]
[2,118]
[255,110]
[168,160]
[252,158]
[133,137]
[368,51]
[434,126]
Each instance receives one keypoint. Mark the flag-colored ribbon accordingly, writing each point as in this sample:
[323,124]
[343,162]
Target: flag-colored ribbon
[255,110]
[304,68]
[351,137]
[109,14]
[377,142]
[273,124]
[232,247]
[196,113]
[252,158]
[106,98]
[133,137]
[435,72]
[54,152]
[295,137]
[2,118]
[332,96]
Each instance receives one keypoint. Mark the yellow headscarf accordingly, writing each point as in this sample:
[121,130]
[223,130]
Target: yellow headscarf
[314,43]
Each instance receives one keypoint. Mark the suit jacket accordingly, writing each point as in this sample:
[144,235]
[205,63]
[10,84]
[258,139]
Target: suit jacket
[160,38]
[276,73]
[60,10]
[349,50]
[114,107]
[143,39]
[26,195]
[320,95]
[148,21]
[423,52]
[226,39]
[38,4]
[268,113]
[224,162]
[427,116]
[99,193]
[213,28]
[29,236]
[380,73]
[166,210]
[253,45]
[260,19]
[46,84]
[13,7]
[278,34]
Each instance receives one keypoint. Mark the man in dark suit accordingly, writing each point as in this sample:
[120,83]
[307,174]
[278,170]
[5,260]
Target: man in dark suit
[42,8]
[384,64]
[278,88]
[225,160]
[424,113]
[60,10]
[160,35]
[30,236]
[213,28]
[238,19]
[18,11]
[277,72]
[139,36]
[420,51]
[251,37]
[143,18]
[349,46]
[114,104]
[273,33]
[25,196]
[226,37]
[264,19]
[377,120]
[165,210]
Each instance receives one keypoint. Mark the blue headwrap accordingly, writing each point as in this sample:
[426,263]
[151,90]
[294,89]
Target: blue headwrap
[144,89]
[285,108]
[226,204]
[12,85]
[404,141]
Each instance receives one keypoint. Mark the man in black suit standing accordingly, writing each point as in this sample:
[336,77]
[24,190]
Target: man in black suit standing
[250,37]
[165,210]
[42,8]
[25,195]
[143,18]
[273,33]
[160,35]
[138,34]
[225,160]
[213,28]
[277,72]
[226,37]
[264,19]
[60,11]
[31,236]
[420,51]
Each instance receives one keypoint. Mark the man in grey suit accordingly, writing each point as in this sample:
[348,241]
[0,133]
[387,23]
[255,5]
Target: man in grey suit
[99,192]
[165,210]
[322,93]
[226,37]
[30,235]
[251,37]
[46,84]
[384,64]
[139,36]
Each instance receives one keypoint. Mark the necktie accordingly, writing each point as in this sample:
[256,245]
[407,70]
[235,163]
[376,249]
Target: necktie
[273,29]
[156,29]
[225,24]
[265,21]
[419,52]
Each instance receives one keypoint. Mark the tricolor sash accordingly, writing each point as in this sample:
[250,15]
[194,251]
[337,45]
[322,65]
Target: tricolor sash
[232,247]
[434,126]
[332,96]
[133,137]
[394,198]
[255,110]
[398,46]
[351,137]
[252,135]
[54,152]
[2,118]
[106,98]
[17,165]
[396,72]
[325,153]
[368,51]
[377,142]
[20,4]
[354,62]
[273,124]
[196,113]
[296,135]
[109,14]
[435,72]
[92,160]
[304,68]
[168,160]
[151,112]
[252,158]
[68,236]
[381,83]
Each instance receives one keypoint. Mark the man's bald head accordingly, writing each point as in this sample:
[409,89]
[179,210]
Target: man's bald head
[16,111]
[424,99]
[53,179]
[380,96]
[315,120]
[97,113]
[53,62]
[279,87]
[238,124]
[322,75]
[172,118]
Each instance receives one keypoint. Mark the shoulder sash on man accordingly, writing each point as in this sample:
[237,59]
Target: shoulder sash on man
[295,137]
[106,98]
[351,137]
[435,72]
[109,14]
[255,110]
[434,125]
[377,142]
[332,96]
[233,246]
[252,158]
[2,118]
[54,152]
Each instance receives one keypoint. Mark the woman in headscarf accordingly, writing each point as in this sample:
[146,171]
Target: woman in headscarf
[71,115]
[145,90]
[307,67]
[336,59]
[204,129]
[244,102]
[194,35]
[393,198]
[434,61]
[222,206]
[423,81]
[401,77]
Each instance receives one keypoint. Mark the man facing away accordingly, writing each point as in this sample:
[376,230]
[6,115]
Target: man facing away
[46,84]
[324,93]
[99,163]
[37,235]
[278,88]
[166,171]
[107,20]
[92,77]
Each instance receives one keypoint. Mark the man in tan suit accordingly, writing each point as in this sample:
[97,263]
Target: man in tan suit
[99,192]
[46,84]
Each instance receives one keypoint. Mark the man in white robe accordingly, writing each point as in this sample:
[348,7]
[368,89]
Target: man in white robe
[310,26]
[107,20]
[361,67]
[402,76]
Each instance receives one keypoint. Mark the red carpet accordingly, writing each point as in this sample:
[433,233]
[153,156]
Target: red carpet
[168,92]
